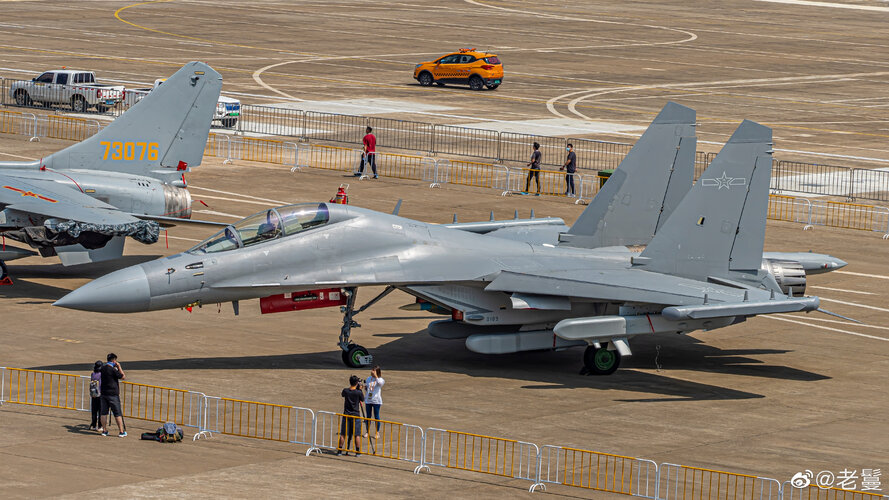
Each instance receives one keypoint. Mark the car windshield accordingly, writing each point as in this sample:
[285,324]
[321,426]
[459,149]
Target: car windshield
[267,225]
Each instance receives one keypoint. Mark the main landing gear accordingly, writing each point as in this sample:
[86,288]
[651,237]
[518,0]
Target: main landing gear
[599,361]
[354,355]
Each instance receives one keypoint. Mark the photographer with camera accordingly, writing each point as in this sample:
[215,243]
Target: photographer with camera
[374,400]
[353,398]
[111,373]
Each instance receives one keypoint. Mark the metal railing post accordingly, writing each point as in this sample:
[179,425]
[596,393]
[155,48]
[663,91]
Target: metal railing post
[314,446]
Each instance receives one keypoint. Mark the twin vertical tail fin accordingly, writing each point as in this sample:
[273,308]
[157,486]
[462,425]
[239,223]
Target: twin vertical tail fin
[160,136]
[645,188]
[718,229]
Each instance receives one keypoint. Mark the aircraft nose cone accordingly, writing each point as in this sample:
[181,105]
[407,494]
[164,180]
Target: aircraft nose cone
[122,291]
[838,264]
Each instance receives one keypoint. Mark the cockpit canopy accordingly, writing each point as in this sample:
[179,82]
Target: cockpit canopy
[266,225]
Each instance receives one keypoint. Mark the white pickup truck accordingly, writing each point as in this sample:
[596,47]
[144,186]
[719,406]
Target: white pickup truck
[227,109]
[64,86]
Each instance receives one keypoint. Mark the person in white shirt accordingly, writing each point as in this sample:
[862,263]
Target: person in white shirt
[373,400]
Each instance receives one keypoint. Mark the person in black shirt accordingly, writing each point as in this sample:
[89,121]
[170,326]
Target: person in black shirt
[570,167]
[110,398]
[353,398]
[534,166]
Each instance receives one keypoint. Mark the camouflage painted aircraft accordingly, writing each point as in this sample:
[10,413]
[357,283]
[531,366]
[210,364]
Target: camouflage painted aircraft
[513,288]
[82,202]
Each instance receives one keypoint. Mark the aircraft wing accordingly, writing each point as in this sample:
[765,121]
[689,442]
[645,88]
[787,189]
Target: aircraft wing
[686,298]
[49,199]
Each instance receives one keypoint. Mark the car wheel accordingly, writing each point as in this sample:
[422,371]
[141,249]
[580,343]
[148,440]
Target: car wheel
[78,104]
[492,87]
[476,82]
[229,122]
[425,79]
[22,98]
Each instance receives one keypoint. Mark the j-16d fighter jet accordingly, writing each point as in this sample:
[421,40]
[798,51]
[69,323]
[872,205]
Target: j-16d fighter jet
[82,202]
[702,269]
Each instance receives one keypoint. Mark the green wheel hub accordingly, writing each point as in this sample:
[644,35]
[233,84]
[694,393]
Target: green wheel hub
[604,359]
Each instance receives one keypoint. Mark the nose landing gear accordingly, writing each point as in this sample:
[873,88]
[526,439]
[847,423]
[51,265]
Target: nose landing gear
[4,274]
[354,355]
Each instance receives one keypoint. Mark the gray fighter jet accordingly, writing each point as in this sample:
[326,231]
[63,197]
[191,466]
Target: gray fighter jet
[82,202]
[700,270]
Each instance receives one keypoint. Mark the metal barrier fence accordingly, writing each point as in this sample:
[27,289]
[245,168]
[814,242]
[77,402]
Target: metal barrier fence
[252,419]
[397,441]
[160,404]
[813,492]
[427,138]
[692,483]
[486,454]
[598,471]
[510,458]
[42,388]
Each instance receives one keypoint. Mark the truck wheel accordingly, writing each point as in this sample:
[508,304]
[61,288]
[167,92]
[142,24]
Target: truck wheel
[425,79]
[22,98]
[476,82]
[101,108]
[229,122]
[78,104]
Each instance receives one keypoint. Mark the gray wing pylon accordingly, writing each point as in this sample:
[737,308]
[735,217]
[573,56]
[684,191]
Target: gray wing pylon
[720,224]
[645,188]
[156,126]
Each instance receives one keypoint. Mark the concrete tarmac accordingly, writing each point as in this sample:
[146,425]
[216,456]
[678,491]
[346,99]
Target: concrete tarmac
[769,397]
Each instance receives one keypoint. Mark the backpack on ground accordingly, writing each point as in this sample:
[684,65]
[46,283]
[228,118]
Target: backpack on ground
[169,433]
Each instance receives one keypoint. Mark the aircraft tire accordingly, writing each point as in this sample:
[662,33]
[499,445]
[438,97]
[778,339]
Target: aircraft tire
[600,361]
[350,356]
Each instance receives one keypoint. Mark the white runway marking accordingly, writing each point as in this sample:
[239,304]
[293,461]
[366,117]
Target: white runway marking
[855,304]
[18,156]
[847,332]
[842,290]
[239,194]
[184,239]
[878,276]
[832,5]
[221,214]
[825,320]
[253,202]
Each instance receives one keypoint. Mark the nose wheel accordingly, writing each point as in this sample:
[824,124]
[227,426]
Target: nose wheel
[354,355]
[4,274]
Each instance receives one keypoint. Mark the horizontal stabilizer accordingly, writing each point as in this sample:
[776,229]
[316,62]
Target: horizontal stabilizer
[705,311]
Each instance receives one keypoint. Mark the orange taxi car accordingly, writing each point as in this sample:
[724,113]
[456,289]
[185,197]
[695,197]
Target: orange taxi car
[477,69]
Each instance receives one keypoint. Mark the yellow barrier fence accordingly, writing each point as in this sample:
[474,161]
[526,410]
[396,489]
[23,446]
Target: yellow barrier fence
[161,404]
[396,440]
[681,482]
[598,471]
[551,182]
[850,215]
[66,127]
[41,388]
[478,453]
[472,173]
[257,420]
